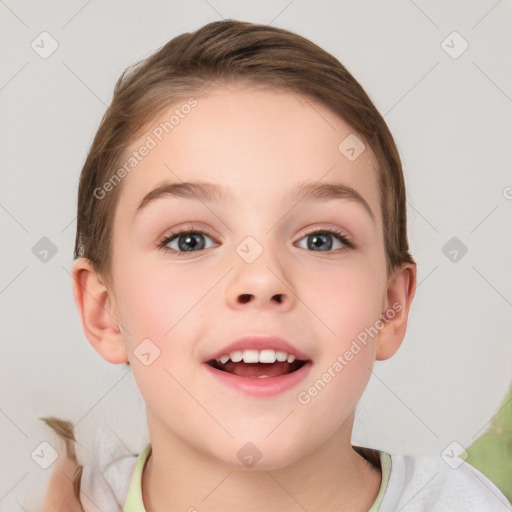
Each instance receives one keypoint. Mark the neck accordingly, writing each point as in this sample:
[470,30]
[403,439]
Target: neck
[332,477]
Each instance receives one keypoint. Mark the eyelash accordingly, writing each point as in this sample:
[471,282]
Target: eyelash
[316,230]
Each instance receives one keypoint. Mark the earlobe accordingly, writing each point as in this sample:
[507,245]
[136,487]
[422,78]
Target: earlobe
[97,312]
[400,293]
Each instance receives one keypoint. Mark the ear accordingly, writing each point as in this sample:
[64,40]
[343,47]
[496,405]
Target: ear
[400,292]
[98,313]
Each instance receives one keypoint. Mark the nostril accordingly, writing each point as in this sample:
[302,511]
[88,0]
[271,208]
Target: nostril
[246,297]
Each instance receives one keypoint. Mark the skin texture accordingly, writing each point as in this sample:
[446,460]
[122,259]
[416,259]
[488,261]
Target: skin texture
[259,143]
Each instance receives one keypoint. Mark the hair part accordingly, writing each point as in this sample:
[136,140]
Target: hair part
[220,53]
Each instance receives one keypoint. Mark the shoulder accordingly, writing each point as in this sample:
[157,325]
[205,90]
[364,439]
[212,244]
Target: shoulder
[106,488]
[74,488]
[429,483]
[84,479]
[62,492]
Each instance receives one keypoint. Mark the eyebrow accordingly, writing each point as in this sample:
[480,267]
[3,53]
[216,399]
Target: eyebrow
[211,192]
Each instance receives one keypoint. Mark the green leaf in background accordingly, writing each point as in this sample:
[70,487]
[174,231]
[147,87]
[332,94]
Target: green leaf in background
[491,453]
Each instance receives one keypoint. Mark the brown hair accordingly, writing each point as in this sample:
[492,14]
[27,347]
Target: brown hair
[65,430]
[219,53]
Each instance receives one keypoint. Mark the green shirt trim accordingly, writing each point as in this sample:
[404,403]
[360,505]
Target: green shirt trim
[134,501]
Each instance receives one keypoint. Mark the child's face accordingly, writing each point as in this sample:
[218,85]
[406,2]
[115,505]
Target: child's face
[260,145]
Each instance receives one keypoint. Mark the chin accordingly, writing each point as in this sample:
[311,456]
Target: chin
[261,453]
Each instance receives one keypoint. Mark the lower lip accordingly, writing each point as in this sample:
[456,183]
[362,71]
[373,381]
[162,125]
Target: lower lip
[267,386]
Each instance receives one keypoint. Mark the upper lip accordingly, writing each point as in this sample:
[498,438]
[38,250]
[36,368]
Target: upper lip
[260,342]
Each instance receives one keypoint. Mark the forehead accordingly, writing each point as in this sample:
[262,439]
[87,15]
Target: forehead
[258,142]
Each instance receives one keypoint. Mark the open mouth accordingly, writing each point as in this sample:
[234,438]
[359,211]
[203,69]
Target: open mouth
[257,364]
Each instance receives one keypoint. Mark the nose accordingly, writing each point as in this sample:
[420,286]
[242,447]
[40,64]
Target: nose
[261,284]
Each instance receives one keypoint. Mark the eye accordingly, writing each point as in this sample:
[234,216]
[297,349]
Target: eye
[319,239]
[322,239]
[185,240]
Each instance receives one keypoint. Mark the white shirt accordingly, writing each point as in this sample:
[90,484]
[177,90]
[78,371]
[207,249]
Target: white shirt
[424,483]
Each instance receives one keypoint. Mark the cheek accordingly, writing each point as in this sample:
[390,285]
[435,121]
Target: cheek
[345,301]
[159,309]
[348,304]
[155,301]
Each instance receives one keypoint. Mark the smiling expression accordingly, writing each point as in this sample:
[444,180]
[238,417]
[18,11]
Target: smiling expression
[281,236]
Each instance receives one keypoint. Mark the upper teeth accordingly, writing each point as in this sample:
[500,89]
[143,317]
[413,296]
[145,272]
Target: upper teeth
[257,356]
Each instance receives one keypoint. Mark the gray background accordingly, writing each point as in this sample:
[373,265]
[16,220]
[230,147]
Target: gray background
[451,118]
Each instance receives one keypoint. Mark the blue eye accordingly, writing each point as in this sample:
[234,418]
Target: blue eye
[189,240]
[322,240]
